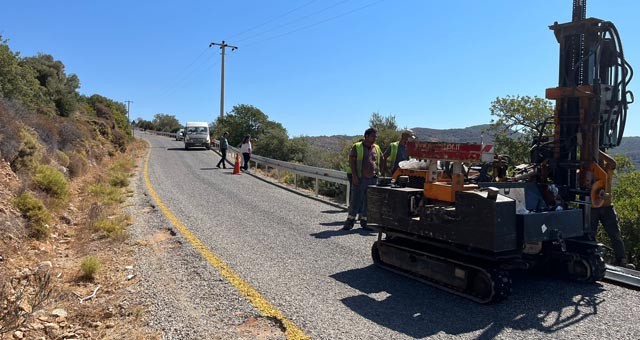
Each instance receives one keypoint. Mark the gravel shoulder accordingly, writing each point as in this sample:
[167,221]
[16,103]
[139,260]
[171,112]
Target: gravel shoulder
[182,295]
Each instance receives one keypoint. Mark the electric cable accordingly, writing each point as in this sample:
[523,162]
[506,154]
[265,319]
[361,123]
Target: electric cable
[315,24]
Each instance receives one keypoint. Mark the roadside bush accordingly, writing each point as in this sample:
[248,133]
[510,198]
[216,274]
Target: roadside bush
[119,179]
[77,164]
[119,172]
[120,140]
[52,181]
[29,153]
[112,226]
[35,212]
[90,266]
[62,158]
[71,132]
[107,193]
[45,127]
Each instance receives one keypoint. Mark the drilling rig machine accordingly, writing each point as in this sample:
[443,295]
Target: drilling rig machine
[464,233]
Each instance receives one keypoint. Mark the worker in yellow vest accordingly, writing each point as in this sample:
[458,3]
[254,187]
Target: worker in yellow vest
[364,162]
[396,153]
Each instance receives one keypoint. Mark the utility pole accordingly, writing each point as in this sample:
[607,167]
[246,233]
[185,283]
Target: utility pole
[129,116]
[222,45]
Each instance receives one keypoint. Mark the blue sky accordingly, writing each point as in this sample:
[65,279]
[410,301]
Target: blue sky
[318,67]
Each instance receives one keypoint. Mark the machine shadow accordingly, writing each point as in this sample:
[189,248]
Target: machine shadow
[418,310]
[339,232]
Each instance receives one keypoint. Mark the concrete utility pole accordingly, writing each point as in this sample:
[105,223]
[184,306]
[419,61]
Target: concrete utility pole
[222,45]
[129,116]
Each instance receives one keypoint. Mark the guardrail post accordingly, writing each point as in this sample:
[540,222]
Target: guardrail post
[317,186]
[295,180]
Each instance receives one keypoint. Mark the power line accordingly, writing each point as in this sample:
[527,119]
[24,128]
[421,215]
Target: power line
[295,21]
[315,24]
[183,79]
[273,19]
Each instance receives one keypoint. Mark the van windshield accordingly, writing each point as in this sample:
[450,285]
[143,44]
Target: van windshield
[197,130]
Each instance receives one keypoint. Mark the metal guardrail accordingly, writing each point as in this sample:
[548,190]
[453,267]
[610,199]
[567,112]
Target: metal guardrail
[624,276]
[320,174]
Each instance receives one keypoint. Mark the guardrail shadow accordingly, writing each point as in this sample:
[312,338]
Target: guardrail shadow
[418,310]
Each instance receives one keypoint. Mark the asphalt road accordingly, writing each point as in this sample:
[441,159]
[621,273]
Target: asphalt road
[290,249]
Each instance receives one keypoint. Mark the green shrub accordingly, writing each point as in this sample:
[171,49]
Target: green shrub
[123,165]
[107,193]
[63,159]
[52,181]
[119,180]
[35,212]
[120,171]
[90,266]
[29,152]
[113,227]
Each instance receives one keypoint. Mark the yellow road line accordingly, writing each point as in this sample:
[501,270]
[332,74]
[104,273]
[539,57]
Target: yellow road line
[265,308]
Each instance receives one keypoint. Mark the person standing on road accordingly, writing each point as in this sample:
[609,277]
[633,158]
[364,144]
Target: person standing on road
[224,144]
[606,215]
[396,153]
[245,149]
[364,158]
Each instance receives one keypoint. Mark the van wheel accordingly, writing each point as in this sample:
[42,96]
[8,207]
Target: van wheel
[186,147]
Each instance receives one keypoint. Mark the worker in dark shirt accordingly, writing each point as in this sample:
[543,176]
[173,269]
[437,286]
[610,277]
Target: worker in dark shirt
[364,160]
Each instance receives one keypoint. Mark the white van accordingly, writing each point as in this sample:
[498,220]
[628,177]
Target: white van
[196,134]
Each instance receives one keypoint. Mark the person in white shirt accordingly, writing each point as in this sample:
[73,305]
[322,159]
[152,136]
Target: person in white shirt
[245,148]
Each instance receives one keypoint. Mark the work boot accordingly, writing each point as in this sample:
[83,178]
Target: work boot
[623,263]
[363,224]
[348,224]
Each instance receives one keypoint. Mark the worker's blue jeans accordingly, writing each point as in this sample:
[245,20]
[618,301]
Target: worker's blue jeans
[358,200]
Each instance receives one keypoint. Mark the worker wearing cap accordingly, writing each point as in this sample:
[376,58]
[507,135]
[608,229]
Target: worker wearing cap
[396,153]
[364,161]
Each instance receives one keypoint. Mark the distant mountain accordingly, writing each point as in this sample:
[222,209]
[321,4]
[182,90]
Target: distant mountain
[472,134]
[329,143]
[630,147]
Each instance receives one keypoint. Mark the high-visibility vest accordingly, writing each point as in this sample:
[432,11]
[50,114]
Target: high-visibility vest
[360,155]
[394,154]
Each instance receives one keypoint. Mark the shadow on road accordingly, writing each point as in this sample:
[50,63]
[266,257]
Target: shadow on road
[182,149]
[339,232]
[338,211]
[418,310]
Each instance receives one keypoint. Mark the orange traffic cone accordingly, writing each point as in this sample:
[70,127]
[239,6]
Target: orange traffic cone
[236,166]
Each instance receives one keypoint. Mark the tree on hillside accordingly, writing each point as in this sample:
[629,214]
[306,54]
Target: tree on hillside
[518,120]
[165,122]
[61,89]
[109,109]
[241,121]
[18,81]
[626,202]
[387,129]
[270,138]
